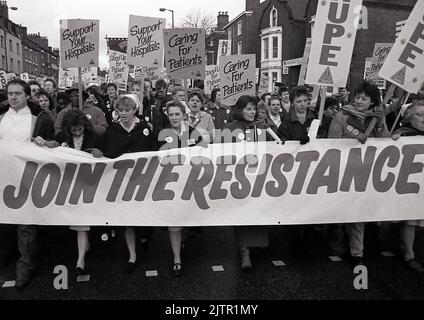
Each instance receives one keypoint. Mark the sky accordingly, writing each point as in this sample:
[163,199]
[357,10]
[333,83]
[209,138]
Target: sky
[43,15]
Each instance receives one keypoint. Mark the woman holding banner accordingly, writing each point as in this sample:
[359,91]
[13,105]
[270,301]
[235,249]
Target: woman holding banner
[77,132]
[412,125]
[177,135]
[358,121]
[128,135]
[296,125]
[200,120]
[244,127]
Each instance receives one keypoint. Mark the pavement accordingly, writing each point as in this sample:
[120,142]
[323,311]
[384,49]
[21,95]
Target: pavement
[287,270]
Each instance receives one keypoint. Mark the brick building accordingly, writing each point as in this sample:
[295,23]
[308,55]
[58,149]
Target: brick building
[243,31]
[282,37]
[379,25]
[10,42]
[212,39]
[48,61]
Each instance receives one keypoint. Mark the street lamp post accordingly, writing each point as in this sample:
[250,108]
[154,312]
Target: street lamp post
[172,11]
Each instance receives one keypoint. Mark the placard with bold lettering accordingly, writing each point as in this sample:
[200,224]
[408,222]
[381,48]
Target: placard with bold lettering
[405,62]
[145,41]
[79,43]
[238,78]
[333,39]
[185,53]
[212,80]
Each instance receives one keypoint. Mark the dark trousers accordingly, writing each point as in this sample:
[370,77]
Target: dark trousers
[28,248]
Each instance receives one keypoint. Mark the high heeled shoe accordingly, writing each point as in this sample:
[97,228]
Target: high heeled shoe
[130,267]
[177,269]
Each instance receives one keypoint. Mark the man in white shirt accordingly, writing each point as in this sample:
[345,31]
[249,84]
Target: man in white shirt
[20,122]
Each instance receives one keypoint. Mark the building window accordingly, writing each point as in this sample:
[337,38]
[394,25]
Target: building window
[266,48]
[2,41]
[10,45]
[274,77]
[11,64]
[19,66]
[275,47]
[230,35]
[239,26]
[18,49]
[3,62]
[239,47]
[273,17]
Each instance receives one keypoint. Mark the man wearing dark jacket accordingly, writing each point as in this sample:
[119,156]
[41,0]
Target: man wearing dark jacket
[21,122]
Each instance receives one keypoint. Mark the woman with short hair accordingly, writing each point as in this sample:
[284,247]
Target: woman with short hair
[129,134]
[352,121]
[77,132]
[178,135]
[245,127]
[198,119]
[412,125]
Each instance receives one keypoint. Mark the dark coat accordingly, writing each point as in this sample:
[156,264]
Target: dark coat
[246,131]
[292,129]
[43,127]
[189,138]
[91,140]
[116,141]
[221,116]
[408,131]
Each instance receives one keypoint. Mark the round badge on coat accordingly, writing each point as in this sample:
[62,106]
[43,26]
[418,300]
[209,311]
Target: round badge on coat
[225,121]
[228,111]
[241,136]
[169,139]
[147,119]
[355,132]
[88,116]
[349,128]
[146,132]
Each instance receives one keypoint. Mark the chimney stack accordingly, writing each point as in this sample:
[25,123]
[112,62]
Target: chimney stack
[222,19]
[252,4]
[4,9]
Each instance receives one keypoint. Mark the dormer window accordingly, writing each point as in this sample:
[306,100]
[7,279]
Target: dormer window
[273,17]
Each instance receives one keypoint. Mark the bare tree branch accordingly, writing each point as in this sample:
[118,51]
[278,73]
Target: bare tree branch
[199,19]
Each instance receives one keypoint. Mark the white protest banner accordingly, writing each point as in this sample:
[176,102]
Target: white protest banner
[212,80]
[118,68]
[224,49]
[404,65]
[63,186]
[79,43]
[185,53]
[145,41]
[380,53]
[237,74]
[333,39]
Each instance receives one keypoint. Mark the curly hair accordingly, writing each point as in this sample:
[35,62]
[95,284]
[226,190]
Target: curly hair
[73,118]
[44,93]
[370,90]
[196,93]
[175,103]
